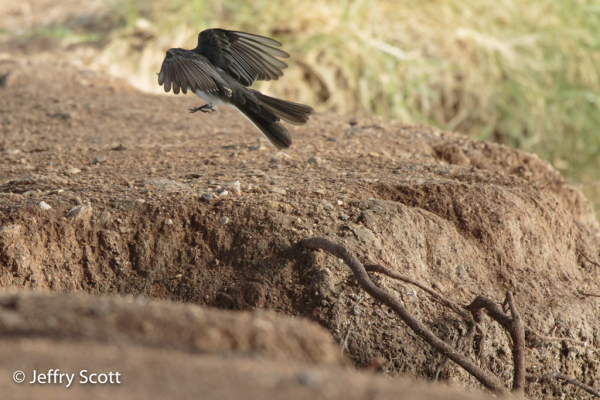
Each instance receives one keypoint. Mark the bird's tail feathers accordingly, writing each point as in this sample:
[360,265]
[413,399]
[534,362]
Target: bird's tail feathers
[293,113]
[267,123]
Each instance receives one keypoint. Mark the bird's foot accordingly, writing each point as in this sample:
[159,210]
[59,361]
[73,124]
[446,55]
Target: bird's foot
[203,108]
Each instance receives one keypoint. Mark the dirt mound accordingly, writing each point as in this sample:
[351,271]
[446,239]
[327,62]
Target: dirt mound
[107,191]
[157,350]
[165,325]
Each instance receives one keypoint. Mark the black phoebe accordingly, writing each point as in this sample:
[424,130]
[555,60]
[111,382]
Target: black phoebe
[220,69]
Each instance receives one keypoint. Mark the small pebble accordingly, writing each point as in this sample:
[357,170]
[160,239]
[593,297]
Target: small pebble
[99,160]
[269,179]
[104,217]
[340,202]
[73,171]
[223,220]
[234,187]
[278,190]
[310,379]
[344,217]
[207,196]
[315,160]
[168,221]
[319,191]
[44,206]
[328,206]
[224,193]
[280,155]
[81,211]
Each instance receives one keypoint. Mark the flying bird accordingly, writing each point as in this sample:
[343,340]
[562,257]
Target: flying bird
[221,69]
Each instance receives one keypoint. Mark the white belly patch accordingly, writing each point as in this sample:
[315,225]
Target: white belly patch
[208,98]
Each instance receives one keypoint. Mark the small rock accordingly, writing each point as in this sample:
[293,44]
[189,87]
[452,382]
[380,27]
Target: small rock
[168,221]
[310,379]
[10,152]
[280,155]
[278,190]
[44,206]
[8,79]
[234,187]
[207,196]
[104,217]
[373,154]
[340,202]
[270,180]
[73,171]
[99,160]
[11,230]
[167,184]
[328,206]
[80,212]
[315,160]
[319,191]
[224,193]
[62,115]
[344,217]
[223,220]
[120,147]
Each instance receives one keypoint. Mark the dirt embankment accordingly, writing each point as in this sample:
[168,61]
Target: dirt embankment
[104,190]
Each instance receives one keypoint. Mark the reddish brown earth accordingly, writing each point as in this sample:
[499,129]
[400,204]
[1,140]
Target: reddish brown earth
[126,176]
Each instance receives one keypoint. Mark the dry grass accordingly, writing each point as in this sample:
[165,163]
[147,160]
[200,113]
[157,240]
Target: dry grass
[524,73]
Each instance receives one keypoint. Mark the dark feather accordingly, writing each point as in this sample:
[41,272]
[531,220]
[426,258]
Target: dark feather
[183,69]
[293,113]
[267,124]
[244,56]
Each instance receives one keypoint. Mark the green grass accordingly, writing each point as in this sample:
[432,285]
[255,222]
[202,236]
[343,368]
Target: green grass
[521,72]
[63,33]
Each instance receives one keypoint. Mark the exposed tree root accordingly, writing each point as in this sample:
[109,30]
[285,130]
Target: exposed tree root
[472,314]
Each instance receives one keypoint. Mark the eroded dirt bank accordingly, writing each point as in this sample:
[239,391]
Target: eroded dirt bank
[104,190]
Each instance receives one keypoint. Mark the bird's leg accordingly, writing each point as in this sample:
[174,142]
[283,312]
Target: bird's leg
[203,108]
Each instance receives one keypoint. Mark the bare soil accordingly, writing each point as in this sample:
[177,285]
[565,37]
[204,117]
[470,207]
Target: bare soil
[135,189]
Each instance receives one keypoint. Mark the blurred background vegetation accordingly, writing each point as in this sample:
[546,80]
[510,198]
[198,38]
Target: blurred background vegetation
[525,73]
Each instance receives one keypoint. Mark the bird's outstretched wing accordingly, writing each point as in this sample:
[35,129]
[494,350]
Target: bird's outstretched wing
[244,56]
[185,69]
